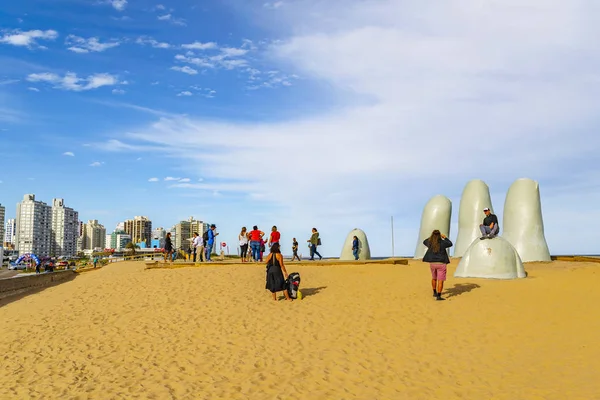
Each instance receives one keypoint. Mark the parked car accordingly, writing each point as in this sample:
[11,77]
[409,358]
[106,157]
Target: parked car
[13,266]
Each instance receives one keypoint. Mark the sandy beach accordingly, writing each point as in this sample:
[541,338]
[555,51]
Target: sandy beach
[362,332]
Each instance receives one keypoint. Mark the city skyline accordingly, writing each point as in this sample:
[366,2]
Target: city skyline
[300,114]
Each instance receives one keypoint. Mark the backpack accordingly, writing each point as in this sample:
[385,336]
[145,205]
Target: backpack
[318,241]
[205,237]
[292,283]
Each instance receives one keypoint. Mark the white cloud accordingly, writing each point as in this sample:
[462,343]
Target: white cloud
[96,164]
[80,45]
[28,38]
[33,89]
[418,100]
[233,52]
[118,5]
[185,70]
[170,178]
[171,19]
[71,82]
[152,42]
[69,153]
[9,82]
[199,46]
[184,93]
[184,180]
[118,91]
[273,6]
[160,7]
[138,159]
[153,180]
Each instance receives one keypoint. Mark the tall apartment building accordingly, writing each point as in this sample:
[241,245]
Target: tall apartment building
[158,238]
[34,224]
[10,232]
[118,240]
[65,229]
[94,235]
[2,214]
[140,229]
[184,231]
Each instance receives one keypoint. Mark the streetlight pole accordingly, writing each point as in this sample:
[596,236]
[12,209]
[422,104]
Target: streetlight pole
[392,236]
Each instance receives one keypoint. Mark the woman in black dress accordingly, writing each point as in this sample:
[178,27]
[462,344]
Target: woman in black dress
[276,273]
[168,247]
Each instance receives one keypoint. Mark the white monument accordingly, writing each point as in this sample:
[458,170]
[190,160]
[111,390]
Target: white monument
[436,215]
[523,225]
[364,252]
[490,258]
[475,197]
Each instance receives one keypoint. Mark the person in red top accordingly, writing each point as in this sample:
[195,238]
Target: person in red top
[255,239]
[275,236]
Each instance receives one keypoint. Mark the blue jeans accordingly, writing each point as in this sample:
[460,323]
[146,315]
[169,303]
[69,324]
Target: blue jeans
[313,251]
[355,253]
[255,246]
[209,249]
[486,230]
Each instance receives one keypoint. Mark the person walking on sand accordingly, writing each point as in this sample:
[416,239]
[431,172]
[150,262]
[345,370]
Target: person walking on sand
[437,257]
[295,250]
[489,229]
[355,244]
[274,237]
[95,261]
[198,245]
[211,241]
[314,242]
[255,238]
[243,239]
[276,273]
[168,248]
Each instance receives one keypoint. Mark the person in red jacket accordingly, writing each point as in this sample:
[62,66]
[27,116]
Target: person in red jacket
[274,237]
[256,236]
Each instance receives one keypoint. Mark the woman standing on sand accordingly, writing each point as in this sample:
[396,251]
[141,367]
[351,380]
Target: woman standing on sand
[438,258]
[243,238]
[255,239]
[276,273]
[168,247]
[314,242]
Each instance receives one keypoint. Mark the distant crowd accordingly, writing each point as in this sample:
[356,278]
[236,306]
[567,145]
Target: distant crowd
[253,244]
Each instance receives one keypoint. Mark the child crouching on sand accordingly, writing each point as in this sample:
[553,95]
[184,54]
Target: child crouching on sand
[438,258]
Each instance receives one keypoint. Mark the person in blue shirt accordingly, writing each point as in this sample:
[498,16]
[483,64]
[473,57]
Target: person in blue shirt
[355,248]
[211,241]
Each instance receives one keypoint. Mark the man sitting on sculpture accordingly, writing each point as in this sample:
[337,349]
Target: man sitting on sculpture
[489,229]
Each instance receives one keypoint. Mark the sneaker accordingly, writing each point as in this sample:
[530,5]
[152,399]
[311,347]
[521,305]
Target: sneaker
[435,293]
[320,258]
[483,237]
[439,298]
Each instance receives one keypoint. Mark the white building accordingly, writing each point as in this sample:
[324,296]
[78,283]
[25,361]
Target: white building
[65,229]
[94,235]
[10,231]
[33,234]
[2,212]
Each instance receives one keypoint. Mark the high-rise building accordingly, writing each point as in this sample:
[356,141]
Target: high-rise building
[34,221]
[118,240]
[184,232]
[10,232]
[158,238]
[140,230]
[94,235]
[65,229]
[2,212]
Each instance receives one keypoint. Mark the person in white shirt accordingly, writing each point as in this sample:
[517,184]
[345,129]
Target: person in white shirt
[198,245]
[243,238]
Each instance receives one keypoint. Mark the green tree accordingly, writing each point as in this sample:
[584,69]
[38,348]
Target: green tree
[131,247]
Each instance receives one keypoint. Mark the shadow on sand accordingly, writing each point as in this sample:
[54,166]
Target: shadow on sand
[311,291]
[460,288]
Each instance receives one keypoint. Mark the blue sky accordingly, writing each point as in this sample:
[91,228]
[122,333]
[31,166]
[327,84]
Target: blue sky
[300,113]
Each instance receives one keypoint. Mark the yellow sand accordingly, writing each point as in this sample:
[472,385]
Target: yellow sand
[362,332]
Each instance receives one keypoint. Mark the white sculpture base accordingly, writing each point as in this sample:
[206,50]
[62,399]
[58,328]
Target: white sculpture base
[364,252]
[490,258]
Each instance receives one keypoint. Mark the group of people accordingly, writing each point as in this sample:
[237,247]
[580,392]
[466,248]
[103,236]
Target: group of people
[254,241]
[437,251]
[202,247]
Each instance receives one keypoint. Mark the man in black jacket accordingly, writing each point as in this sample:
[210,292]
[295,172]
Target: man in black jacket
[489,229]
